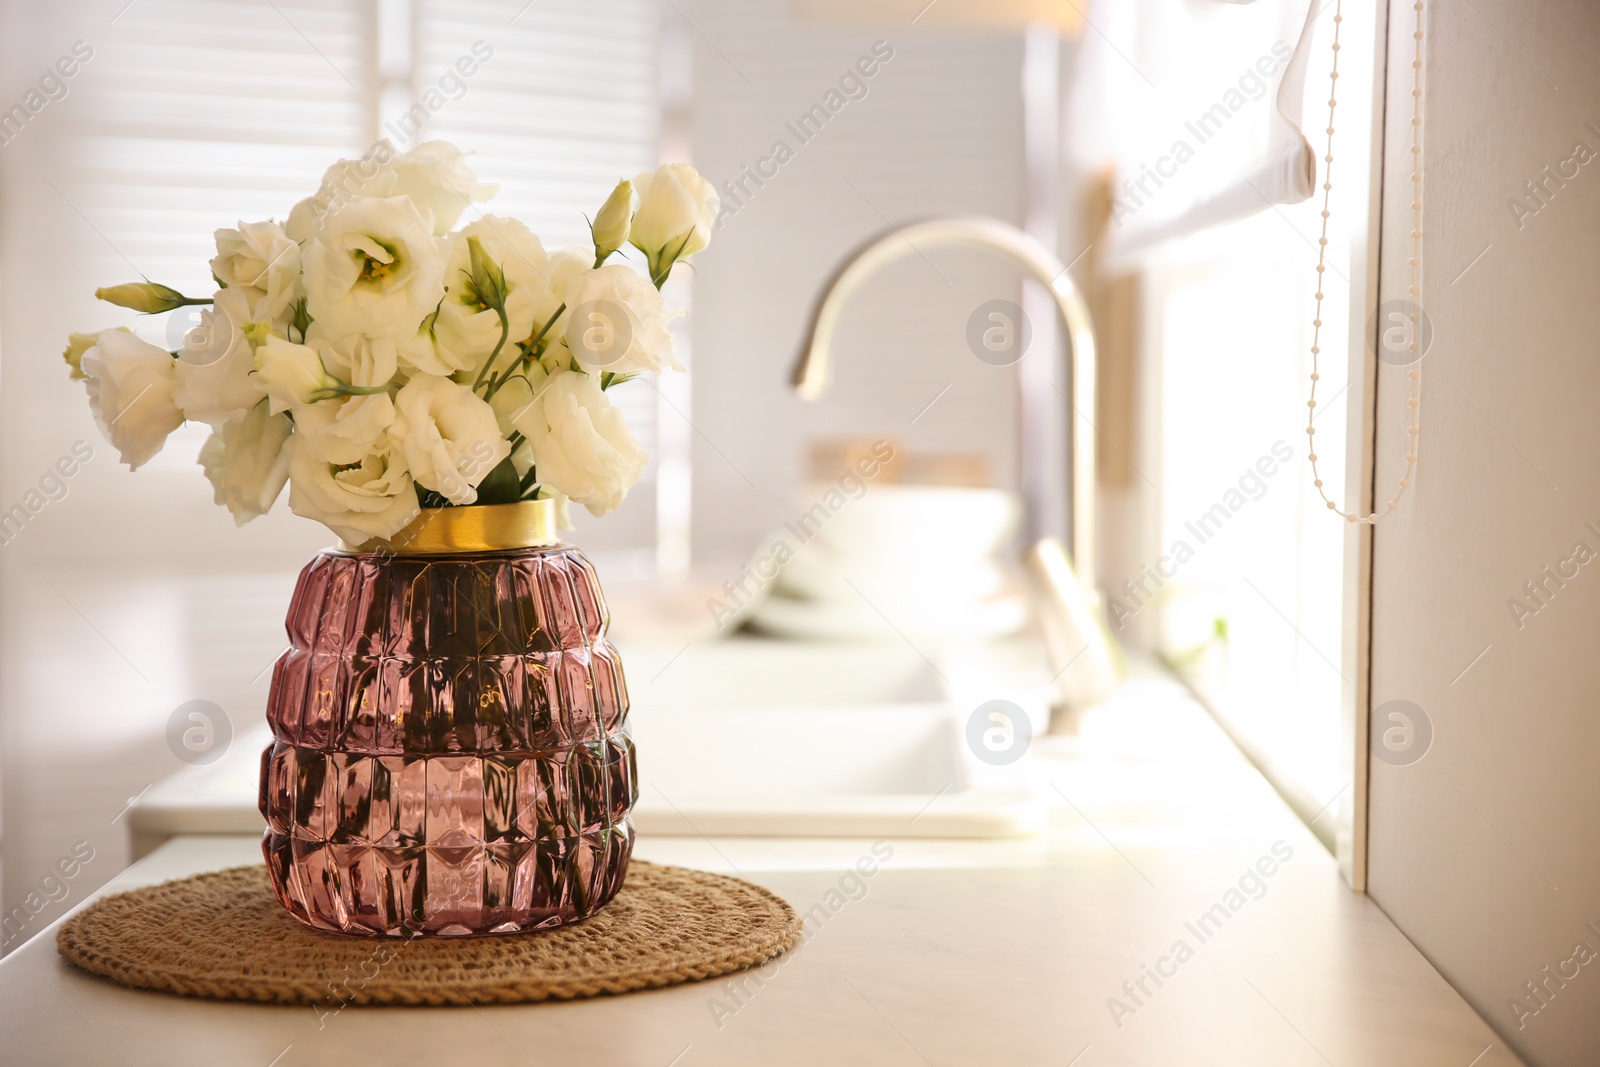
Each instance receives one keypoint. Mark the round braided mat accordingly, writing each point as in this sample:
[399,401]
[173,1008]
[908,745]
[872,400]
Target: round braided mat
[223,935]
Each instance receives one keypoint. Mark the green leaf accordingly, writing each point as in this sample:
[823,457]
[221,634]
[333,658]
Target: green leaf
[501,485]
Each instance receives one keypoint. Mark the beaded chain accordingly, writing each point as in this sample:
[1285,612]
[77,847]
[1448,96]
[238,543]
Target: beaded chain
[1415,367]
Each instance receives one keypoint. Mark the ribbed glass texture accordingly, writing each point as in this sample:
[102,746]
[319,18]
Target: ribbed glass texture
[450,752]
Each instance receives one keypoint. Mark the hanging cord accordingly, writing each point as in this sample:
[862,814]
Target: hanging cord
[1414,373]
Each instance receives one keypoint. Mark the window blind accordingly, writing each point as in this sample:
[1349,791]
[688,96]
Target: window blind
[199,114]
[1198,109]
[205,112]
[567,104]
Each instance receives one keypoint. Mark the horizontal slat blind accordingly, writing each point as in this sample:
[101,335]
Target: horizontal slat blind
[204,112]
[567,104]
[201,113]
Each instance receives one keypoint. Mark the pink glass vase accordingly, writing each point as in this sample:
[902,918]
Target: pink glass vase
[450,754]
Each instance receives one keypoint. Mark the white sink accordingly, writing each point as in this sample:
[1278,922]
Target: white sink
[753,737]
[747,672]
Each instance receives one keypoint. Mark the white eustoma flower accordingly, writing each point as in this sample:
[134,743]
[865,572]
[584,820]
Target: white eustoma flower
[292,375]
[423,351]
[372,498]
[513,401]
[467,325]
[434,175]
[581,444]
[77,345]
[676,210]
[449,436]
[617,321]
[345,428]
[306,215]
[355,359]
[566,266]
[130,385]
[373,268]
[261,257]
[247,462]
[215,383]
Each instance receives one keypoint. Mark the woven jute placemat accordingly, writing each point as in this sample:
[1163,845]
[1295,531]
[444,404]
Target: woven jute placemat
[223,936]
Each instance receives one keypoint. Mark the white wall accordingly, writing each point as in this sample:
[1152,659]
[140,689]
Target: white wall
[1486,852]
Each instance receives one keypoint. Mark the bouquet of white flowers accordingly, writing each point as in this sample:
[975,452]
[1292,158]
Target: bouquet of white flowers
[380,360]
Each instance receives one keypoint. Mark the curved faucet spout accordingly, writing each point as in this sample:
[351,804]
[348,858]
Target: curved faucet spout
[812,371]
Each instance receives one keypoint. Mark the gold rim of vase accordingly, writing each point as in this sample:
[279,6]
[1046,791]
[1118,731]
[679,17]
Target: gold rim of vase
[472,528]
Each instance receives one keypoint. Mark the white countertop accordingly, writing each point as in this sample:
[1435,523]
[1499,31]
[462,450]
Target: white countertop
[955,952]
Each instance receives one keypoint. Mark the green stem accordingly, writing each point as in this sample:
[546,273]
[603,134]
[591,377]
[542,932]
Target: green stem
[546,327]
[333,392]
[505,331]
[530,355]
[496,384]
